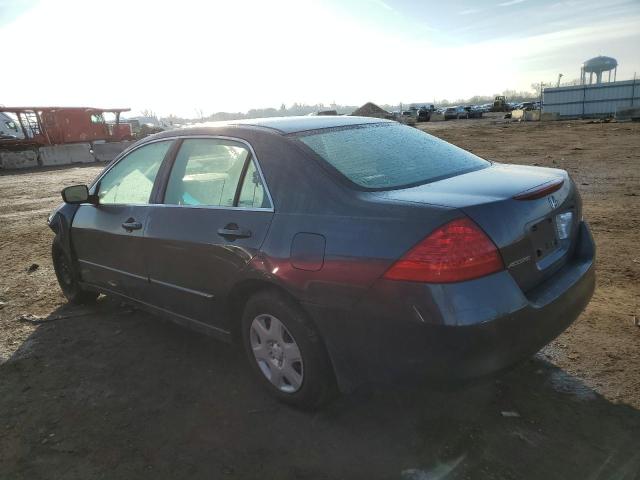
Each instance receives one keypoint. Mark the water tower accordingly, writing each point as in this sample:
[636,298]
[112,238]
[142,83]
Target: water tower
[598,65]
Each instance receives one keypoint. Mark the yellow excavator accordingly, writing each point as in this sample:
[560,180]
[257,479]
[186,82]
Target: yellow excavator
[500,104]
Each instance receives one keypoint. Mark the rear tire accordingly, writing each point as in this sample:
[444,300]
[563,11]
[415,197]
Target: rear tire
[286,352]
[68,278]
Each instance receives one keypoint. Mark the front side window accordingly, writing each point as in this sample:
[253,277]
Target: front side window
[206,172]
[389,155]
[131,179]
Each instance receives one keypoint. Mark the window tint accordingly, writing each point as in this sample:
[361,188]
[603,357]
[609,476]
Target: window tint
[252,194]
[131,179]
[390,155]
[206,172]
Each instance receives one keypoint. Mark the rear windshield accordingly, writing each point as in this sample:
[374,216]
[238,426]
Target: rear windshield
[386,156]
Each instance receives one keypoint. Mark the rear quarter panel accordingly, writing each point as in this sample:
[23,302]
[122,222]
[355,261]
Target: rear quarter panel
[364,233]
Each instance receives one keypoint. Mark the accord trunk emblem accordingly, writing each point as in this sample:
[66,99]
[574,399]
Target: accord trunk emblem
[520,261]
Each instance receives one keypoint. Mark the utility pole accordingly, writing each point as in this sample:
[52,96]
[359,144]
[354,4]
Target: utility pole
[542,87]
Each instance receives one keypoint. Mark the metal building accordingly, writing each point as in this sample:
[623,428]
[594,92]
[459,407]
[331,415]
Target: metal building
[595,100]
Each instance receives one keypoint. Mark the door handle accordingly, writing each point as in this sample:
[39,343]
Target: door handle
[233,231]
[130,225]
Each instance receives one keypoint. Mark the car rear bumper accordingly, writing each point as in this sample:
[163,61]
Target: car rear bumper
[407,331]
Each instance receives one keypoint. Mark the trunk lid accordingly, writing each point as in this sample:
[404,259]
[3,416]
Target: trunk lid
[526,230]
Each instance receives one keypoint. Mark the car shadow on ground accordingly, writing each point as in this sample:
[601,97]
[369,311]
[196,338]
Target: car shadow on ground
[107,392]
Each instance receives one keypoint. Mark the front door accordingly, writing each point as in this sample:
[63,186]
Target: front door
[108,237]
[212,222]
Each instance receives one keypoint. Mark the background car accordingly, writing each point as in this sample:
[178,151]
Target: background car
[529,106]
[473,111]
[424,113]
[454,113]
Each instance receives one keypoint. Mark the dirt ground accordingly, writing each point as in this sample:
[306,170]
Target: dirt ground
[108,392]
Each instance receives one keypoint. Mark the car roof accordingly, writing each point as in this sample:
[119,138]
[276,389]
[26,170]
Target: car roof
[286,125]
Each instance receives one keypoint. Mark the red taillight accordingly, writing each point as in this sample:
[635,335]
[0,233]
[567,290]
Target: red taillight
[457,251]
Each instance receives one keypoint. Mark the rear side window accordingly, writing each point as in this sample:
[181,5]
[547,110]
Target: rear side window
[252,194]
[209,171]
[389,155]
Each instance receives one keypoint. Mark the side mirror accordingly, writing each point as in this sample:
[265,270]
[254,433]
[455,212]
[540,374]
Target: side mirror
[77,194]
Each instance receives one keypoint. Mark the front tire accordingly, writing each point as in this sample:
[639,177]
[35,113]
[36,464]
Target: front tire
[68,278]
[286,352]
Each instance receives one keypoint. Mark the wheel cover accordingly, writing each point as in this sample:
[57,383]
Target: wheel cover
[277,353]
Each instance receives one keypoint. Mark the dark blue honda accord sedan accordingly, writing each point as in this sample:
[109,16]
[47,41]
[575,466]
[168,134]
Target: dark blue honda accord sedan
[337,250]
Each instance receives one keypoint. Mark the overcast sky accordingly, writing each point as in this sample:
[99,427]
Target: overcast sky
[177,57]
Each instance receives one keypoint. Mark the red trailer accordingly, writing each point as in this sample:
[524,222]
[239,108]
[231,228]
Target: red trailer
[60,125]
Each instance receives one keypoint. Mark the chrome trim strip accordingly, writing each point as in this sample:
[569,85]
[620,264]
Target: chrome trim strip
[209,207]
[164,205]
[205,326]
[150,280]
[182,289]
[182,137]
[111,269]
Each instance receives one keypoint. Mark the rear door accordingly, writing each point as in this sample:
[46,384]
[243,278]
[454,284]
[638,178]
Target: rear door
[213,218]
[107,238]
